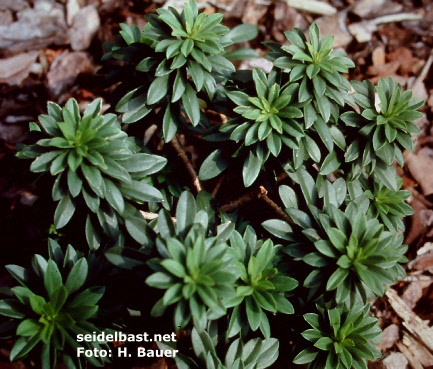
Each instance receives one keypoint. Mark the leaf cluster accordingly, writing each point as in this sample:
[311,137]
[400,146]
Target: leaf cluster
[53,304]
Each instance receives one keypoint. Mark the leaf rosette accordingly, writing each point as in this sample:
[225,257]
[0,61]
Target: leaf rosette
[261,287]
[95,164]
[53,304]
[341,338]
[195,268]
[317,67]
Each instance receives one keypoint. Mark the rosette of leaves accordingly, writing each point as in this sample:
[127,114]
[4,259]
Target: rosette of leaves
[357,257]
[352,255]
[318,69]
[266,121]
[184,58]
[341,338]
[195,268]
[385,124]
[261,287]
[51,306]
[389,206]
[95,164]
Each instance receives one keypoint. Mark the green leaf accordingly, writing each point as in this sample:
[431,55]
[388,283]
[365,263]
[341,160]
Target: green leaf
[278,228]
[42,163]
[185,212]
[251,169]
[28,328]
[169,125]
[77,276]
[52,278]
[174,267]
[23,346]
[337,278]
[64,211]
[191,105]
[75,183]
[330,164]
[179,86]
[254,313]
[158,89]
[114,196]
[213,165]
[242,33]
[125,257]
[141,192]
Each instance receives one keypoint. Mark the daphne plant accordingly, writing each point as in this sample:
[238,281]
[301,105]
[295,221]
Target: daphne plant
[389,206]
[260,288]
[297,129]
[265,122]
[182,55]
[384,126]
[341,338]
[195,268]
[317,66]
[94,164]
[53,304]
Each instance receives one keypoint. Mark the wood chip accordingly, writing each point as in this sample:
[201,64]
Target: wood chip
[420,165]
[424,357]
[335,25]
[390,336]
[395,361]
[412,322]
[414,292]
[15,69]
[378,55]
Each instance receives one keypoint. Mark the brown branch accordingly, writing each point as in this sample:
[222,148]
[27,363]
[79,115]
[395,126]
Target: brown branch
[264,196]
[218,185]
[187,163]
[233,205]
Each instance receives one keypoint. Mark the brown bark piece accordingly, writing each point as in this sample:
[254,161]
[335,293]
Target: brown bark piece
[420,166]
[419,351]
[390,336]
[412,322]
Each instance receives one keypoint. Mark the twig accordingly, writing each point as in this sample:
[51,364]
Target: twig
[233,205]
[218,185]
[282,176]
[187,163]
[264,196]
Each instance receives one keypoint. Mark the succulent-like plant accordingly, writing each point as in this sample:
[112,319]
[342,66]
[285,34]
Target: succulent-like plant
[94,162]
[341,338]
[317,67]
[176,56]
[53,305]
[195,267]
[352,255]
[266,120]
[261,286]
[386,122]
[389,206]
[209,269]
